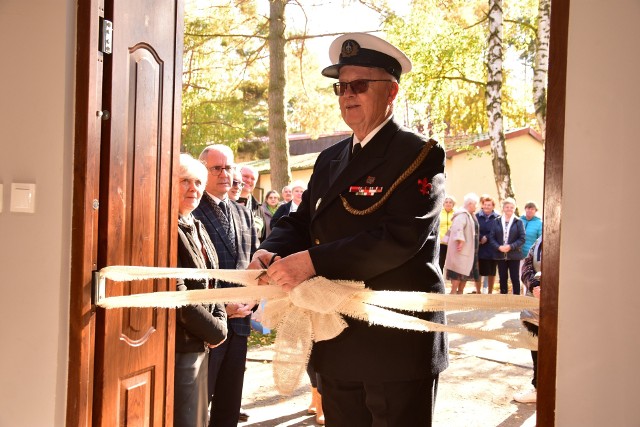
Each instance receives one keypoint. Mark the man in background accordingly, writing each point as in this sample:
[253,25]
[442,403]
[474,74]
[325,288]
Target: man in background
[230,227]
[249,179]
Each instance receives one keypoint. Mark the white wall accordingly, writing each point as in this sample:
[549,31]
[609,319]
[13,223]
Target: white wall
[599,309]
[37,41]
[598,350]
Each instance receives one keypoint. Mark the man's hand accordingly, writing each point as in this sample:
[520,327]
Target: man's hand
[261,261]
[289,272]
[238,310]
[536,292]
[216,345]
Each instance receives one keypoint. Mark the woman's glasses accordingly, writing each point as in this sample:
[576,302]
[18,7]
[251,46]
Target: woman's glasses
[357,86]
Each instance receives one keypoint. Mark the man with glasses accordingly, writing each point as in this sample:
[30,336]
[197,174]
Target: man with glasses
[370,214]
[236,186]
[249,178]
[230,227]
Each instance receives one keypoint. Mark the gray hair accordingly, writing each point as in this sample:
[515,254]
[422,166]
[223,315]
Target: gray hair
[298,183]
[192,168]
[251,169]
[509,200]
[228,152]
[469,198]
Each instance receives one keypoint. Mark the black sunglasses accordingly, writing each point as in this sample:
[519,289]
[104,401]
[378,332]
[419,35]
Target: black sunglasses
[238,184]
[357,86]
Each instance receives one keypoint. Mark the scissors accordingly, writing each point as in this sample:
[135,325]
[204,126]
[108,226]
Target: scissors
[265,266]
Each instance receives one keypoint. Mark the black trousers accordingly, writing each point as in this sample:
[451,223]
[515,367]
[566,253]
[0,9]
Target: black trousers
[379,404]
[442,257]
[190,403]
[534,354]
[226,377]
[506,268]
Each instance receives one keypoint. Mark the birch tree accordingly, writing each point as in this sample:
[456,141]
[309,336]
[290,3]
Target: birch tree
[493,95]
[541,65]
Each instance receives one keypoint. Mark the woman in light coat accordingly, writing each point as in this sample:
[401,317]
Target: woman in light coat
[462,251]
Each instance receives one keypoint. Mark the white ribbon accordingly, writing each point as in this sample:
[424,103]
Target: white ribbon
[313,310]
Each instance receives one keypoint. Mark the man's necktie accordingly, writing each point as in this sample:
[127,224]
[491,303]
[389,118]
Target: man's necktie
[356,149]
[227,223]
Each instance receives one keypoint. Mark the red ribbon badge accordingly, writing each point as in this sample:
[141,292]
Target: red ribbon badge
[424,186]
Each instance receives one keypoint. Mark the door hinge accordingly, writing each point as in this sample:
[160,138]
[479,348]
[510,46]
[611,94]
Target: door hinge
[106,36]
[97,289]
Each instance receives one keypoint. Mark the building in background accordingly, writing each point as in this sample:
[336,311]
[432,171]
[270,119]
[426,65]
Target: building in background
[468,164]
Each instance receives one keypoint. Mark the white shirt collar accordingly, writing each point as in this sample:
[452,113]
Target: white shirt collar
[218,200]
[371,134]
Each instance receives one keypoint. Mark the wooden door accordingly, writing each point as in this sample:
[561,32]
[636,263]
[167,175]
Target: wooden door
[127,141]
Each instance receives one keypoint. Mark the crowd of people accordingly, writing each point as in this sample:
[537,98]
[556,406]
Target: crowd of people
[474,245]
[220,225]
[375,211]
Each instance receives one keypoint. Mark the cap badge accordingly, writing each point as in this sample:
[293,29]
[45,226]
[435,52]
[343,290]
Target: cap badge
[350,48]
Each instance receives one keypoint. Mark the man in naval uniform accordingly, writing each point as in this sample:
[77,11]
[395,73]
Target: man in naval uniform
[370,214]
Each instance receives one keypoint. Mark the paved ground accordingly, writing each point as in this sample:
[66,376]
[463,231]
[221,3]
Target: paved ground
[476,390]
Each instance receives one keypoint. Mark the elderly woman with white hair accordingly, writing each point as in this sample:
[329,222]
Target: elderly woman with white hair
[462,252]
[198,327]
[507,237]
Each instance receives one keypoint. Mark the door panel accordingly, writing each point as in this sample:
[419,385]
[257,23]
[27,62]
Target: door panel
[134,347]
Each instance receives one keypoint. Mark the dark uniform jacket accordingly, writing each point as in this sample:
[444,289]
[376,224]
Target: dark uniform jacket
[203,323]
[392,248]
[283,210]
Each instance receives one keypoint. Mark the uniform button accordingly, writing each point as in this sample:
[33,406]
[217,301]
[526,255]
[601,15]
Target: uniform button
[317,241]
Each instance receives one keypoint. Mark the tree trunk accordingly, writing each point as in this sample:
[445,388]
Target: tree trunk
[493,95]
[278,142]
[541,65]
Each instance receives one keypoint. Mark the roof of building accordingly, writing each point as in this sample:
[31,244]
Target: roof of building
[454,145]
[299,162]
[458,144]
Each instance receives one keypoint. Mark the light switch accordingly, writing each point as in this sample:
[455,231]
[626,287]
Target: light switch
[23,198]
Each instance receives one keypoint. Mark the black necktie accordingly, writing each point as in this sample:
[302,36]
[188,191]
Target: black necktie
[223,206]
[227,223]
[356,149]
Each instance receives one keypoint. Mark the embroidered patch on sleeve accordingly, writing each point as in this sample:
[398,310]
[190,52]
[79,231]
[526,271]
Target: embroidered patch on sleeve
[424,186]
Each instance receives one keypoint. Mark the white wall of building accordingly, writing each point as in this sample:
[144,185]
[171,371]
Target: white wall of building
[37,42]
[598,351]
[599,299]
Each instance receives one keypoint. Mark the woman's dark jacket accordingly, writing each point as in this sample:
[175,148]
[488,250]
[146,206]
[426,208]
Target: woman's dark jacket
[203,323]
[516,238]
[485,222]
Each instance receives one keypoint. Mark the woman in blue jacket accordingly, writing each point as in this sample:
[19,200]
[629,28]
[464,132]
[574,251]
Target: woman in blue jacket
[507,237]
[532,227]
